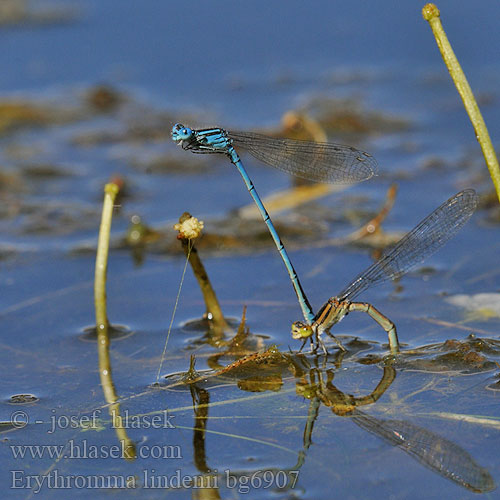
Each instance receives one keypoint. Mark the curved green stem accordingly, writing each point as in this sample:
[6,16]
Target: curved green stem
[102,324]
[431,14]
[101,263]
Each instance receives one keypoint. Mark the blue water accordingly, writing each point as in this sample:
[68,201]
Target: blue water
[242,65]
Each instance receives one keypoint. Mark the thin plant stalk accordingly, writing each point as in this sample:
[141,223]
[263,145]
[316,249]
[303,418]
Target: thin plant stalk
[213,308]
[374,224]
[101,263]
[102,323]
[101,266]
[189,228]
[431,14]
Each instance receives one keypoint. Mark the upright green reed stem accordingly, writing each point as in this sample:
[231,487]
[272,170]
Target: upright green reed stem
[101,263]
[431,13]
[102,324]
[101,317]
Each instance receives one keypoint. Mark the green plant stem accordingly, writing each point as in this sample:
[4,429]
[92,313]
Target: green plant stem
[187,236]
[102,324]
[212,305]
[101,264]
[431,14]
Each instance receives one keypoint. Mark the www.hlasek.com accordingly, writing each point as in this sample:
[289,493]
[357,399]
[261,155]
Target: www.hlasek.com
[82,449]
[152,479]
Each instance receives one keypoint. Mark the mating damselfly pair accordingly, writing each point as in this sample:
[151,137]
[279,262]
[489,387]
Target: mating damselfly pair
[326,162]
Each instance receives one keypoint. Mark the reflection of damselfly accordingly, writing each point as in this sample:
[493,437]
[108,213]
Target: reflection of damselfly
[435,452]
[433,232]
[322,162]
[440,455]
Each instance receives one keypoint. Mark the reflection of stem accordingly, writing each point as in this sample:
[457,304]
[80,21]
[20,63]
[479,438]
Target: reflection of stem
[214,311]
[208,487]
[312,415]
[102,324]
[201,400]
[431,13]
[128,446]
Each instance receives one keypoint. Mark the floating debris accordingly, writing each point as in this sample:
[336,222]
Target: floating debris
[26,12]
[22,399]
[481,306]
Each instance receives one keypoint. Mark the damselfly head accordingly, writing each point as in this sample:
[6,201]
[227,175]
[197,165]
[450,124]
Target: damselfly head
[301,330]
[181,133]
